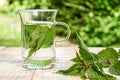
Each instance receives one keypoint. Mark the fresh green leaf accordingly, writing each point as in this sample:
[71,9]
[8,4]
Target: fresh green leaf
[71,71]
[95,56]
[84,51]
[81,43]
[77,59]
[101,73]
[82,73]
[108,56]
[95,73]
[109,77]
[35,33]
[98,66]
[49,37]
[41,39]
[86,56]
[32,50]
[87,64]
[74,70]
[115,68]
[36,36]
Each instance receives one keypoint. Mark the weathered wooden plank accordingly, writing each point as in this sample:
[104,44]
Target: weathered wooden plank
[63,56]
[50,74]
[11,65]
[65,53]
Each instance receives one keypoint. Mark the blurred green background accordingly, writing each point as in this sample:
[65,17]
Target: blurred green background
[97,21]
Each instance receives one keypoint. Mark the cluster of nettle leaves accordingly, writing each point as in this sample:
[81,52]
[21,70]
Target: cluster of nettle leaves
[88,65]
[36,36]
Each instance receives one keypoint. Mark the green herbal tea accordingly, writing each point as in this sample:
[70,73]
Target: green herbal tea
[36,36]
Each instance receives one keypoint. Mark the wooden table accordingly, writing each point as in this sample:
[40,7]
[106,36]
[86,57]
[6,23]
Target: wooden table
[11,65]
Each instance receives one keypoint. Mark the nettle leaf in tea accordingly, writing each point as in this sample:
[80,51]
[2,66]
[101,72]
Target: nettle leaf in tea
[37,36]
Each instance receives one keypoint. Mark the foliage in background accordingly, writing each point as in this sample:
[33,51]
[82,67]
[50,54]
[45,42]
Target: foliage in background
[8,36]
[97,21]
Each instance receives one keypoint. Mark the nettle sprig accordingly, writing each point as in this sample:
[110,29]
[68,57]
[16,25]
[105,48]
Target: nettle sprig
[90,66]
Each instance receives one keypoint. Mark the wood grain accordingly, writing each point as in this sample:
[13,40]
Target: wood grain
[11,65]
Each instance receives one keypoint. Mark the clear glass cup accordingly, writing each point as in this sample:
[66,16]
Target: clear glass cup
[38,37]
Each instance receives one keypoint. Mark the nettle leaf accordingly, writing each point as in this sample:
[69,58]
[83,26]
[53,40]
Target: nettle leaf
[32,50]
[35,33]
[84,52]
[77,59]
[115,68]
[86,63]
[109,77]
[95,56]
[71,71]
[99,66]
[82,73]
[95,73]
[81,43]
[75,70]
[26,36]
[49,39]
[36,36]
[40,40]
[108,56]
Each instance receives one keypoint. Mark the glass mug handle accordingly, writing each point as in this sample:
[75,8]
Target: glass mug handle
[68,31]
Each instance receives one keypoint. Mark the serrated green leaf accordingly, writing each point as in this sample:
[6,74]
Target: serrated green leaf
[95,56]
[84,52]
[49,38]
[115,68]
[87,65]
[108,56]
[95,73]
[81,43]
[87,56]
[82,73]
[35,33]
[35,36]
[71,71]
[98,66]
[32,50]
[77,59]
[109,77]
[38,41]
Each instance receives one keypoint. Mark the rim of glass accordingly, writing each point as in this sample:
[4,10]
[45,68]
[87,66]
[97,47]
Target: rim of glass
[38,10]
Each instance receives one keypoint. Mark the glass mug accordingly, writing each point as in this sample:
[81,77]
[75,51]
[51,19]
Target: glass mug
[38,37]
